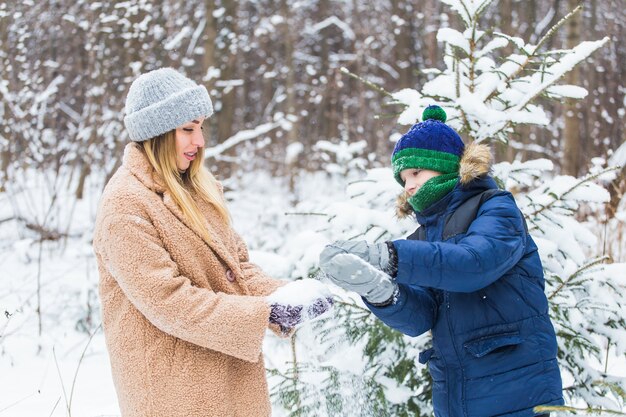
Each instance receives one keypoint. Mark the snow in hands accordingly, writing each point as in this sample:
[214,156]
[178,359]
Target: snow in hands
[301,292]
[310,297]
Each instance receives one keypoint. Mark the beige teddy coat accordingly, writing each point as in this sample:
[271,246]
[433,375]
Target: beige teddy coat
[183,317]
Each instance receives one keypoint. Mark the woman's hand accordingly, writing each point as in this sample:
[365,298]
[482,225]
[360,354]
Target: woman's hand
[298,302]
[288,316]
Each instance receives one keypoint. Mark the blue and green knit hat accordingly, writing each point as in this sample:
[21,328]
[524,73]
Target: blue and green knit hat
[429,144]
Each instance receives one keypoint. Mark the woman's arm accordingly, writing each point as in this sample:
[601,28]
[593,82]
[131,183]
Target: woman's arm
[132,252]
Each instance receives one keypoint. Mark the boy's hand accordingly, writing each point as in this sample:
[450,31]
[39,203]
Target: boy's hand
[376,254]
[352,273]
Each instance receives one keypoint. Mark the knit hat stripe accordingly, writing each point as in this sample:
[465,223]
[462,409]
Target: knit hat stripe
[432,135]
[424,159]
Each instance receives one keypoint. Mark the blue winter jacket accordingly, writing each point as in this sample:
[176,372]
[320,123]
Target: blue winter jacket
[482,295]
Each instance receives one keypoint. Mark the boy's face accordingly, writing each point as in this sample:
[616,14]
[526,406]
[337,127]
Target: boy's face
[414,178]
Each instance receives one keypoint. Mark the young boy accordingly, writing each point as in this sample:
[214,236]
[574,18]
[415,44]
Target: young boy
[471,274]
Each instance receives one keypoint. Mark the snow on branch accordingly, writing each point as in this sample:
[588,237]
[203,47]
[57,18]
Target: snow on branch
[487,96]
[175,42]
[468,9]
[333,20]
[246,135]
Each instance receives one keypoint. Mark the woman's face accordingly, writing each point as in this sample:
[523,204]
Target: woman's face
[189,139]
[415,178]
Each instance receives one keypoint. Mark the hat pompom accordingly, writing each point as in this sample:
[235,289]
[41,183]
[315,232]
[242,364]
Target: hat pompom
[434,112]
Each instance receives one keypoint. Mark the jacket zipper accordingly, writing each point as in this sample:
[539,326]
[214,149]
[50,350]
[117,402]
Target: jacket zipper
[446,300]
[458,359]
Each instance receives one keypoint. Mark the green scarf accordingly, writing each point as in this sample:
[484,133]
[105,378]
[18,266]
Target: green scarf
[433,190]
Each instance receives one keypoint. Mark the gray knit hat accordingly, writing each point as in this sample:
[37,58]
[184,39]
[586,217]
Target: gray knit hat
[162,100]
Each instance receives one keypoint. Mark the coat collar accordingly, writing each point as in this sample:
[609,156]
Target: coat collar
[136,161]
[139,166]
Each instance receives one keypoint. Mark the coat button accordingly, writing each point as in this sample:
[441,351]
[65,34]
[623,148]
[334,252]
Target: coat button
[230,276]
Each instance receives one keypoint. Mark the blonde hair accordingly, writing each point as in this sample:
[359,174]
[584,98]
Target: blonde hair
[161,152]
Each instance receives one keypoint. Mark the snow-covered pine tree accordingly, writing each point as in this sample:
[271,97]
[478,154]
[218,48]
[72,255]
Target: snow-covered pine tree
[352,364]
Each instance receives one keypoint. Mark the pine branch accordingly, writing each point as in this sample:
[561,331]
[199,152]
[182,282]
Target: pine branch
[353,306]
[387,115]
[529,57]
[584,180]
[527,101]
[472,61]
[480,9]
[589,410]
[556,27]
[613,387]
[458,95]
[580,270]
[305,214]
[370,84]
[531,98]
[467,13]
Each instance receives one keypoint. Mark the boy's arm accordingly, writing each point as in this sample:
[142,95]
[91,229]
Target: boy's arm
[413,313]
[494,243]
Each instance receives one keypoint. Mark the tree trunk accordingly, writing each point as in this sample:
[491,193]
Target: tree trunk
[210,34]
[322,114]
[5,150]
[226,114]
[556,5]
[80,188]
[5,159]
[431,11]
[571,131]
[530,7]
[504,20]
[403,50]
[290,90]
[617,190]
[209,60]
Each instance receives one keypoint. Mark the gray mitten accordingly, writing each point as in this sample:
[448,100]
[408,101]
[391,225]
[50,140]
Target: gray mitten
[352,273]
[376,254]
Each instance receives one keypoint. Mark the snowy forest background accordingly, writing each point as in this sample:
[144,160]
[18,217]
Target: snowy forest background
[302,146]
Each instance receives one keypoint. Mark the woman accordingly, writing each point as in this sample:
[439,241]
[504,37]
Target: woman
[184,312]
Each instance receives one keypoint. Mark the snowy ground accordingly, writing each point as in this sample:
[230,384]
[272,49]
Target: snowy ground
[47,375]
